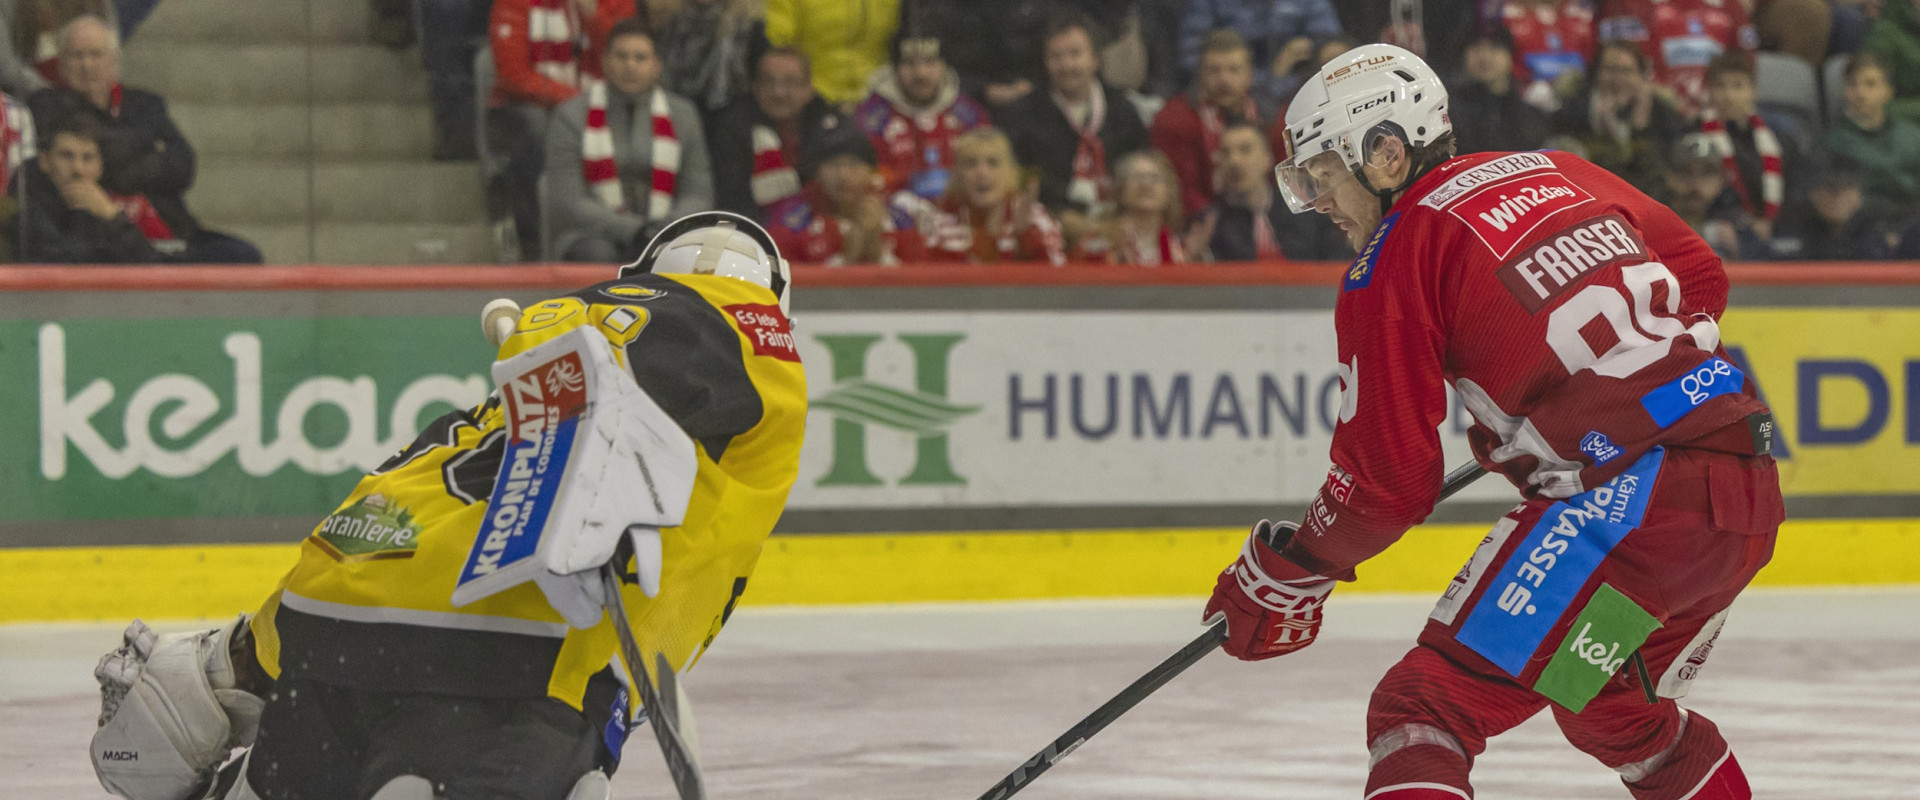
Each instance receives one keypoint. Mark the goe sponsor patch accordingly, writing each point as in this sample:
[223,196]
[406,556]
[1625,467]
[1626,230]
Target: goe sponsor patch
[1670,401]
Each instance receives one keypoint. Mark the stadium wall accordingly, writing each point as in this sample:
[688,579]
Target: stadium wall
[979,433]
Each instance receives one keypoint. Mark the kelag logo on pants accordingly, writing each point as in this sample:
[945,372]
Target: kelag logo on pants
[856,403]
[1607,631]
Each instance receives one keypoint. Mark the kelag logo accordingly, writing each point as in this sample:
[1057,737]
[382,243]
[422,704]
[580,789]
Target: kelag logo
[925,411]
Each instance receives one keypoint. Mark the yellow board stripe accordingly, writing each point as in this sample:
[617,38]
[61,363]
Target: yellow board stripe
[118,583]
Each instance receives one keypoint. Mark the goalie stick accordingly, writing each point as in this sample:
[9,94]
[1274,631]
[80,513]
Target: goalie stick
[1153,680]
[661,705]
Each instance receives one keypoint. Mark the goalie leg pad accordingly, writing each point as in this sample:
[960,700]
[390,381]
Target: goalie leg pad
[168,712]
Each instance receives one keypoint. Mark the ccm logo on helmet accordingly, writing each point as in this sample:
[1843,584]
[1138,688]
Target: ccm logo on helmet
[1374,103]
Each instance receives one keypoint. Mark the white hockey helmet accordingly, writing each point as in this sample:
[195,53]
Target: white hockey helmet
[1371,91]
[717,243]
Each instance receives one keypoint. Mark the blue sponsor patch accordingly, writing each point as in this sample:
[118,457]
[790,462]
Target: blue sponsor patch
[1361,273]
[517,512]
[1546,572]
[1674,399]
[1599,448]
[615,735]
[543,408]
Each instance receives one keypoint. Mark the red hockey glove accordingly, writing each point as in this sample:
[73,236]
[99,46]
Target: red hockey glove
[1271,605]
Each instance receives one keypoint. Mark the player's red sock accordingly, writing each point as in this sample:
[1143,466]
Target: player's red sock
[1420,772]
[1700,767]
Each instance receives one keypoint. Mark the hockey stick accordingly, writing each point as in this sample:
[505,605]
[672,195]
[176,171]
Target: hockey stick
[1153,680]
[662,706]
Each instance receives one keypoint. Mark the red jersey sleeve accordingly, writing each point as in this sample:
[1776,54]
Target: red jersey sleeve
[1386,454]
[515,80]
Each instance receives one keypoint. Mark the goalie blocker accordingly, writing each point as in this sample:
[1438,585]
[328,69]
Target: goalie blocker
[426,644]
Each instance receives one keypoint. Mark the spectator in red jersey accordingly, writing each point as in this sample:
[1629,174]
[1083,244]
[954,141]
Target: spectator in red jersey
[914,115]
[544,53]
[841,217]
[1075,129]
[1489,113]
[1144,226]
[987,216]
[1679,37]
[72,219]
[1551,43]
[1188,129]
[758,139]
[1621,120]
[1762,152]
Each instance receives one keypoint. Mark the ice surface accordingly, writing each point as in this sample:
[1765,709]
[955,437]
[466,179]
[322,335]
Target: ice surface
[1818,690]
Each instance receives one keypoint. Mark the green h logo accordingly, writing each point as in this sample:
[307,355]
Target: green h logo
[856,403]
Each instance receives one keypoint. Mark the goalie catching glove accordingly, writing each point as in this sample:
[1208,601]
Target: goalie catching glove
[170,711]
[1271,606]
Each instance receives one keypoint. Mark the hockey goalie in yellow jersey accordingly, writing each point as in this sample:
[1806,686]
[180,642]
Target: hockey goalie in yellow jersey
[446,633]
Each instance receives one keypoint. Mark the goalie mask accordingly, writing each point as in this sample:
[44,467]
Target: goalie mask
[716,243]
[1366,93]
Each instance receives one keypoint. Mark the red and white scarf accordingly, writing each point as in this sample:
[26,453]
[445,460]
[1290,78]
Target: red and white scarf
[1213,123]
[1773,187]
[143,215]
[1265,244]
[774,179]
[1090,185]
[553,31]
[16,137]
[1162,247]
[596,154]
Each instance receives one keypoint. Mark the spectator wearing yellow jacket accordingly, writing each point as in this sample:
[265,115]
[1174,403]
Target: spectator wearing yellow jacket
[845,39]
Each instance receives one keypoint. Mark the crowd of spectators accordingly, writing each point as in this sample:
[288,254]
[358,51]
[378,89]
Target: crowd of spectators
[107,182]
[1091,131]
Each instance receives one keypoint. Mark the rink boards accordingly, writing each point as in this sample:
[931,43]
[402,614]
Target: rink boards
[1092,436]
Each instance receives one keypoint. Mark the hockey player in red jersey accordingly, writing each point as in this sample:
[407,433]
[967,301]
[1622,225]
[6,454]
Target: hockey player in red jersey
[1577,319]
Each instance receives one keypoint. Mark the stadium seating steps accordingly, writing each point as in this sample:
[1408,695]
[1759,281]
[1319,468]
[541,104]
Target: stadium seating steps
[312,142]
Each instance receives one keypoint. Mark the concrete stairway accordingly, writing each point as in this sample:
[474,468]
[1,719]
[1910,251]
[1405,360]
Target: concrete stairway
[312,143]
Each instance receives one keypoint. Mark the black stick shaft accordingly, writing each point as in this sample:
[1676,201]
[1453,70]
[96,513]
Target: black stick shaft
[666,728]
[1153,680]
